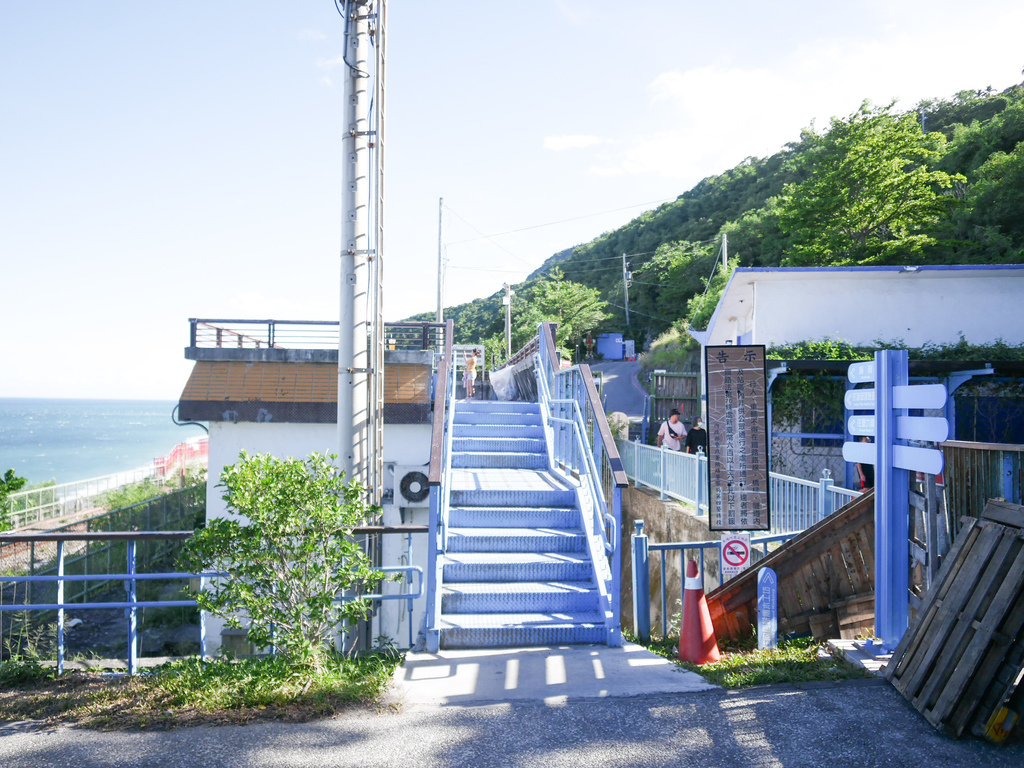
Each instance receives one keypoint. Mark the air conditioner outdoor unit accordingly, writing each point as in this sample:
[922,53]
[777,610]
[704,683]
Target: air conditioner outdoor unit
[411,489]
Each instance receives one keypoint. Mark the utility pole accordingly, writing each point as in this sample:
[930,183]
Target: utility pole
[440,260]
[507,301]
[625,284]
[725,251]
[363,78]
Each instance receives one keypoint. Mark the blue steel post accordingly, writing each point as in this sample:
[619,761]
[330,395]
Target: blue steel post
[202,623]
[1008,489]
[892,506]
[641,584]
[616,638]
[432,636]
[60,611]
[130,588]
[662,485]
[826,499]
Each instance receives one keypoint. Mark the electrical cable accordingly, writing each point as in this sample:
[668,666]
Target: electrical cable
[637,312]
[711,277]
[487,237]
[564,221]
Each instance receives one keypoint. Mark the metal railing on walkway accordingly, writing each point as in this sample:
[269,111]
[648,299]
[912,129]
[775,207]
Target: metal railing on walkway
[796,504]
[131,578]
[581,444]
[227,333]
[641,549]
[38,504]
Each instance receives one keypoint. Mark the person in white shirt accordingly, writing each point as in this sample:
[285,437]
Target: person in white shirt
[672,432]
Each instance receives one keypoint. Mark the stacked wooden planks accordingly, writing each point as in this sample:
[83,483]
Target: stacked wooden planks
[962,658]
[826,580]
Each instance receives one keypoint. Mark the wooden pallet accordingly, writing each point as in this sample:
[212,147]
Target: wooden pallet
[826,580]
[961,660]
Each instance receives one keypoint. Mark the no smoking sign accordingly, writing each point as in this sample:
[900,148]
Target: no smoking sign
[735,554]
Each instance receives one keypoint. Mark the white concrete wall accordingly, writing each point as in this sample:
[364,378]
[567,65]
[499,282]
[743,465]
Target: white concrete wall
[404,444]
[917,307]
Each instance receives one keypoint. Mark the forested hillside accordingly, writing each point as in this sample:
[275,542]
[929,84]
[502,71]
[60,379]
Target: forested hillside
[942,183]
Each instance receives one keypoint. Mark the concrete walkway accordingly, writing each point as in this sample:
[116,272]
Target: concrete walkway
[545,675]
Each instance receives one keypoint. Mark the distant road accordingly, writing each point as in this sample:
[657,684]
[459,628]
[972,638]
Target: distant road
[621,390]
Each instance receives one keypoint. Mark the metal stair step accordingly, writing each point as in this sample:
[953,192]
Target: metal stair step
[514,517]
[519,597]
[498,430]
[500,443]
[515,540]
[497,406]
[505,630]
[462,567]
[496,417]
[472,497]
[495,459]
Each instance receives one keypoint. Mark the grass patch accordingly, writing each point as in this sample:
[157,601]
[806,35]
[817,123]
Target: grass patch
[191,692]
[796,660]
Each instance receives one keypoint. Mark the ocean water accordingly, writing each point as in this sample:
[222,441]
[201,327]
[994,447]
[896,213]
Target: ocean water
[69,440]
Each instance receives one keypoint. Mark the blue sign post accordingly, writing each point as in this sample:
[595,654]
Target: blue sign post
[767,609]
[893,459]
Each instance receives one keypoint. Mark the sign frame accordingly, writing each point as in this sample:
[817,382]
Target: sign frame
[746,457]
[729,570]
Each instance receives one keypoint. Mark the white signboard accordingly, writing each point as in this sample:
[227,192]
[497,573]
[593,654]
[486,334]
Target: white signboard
[735,554]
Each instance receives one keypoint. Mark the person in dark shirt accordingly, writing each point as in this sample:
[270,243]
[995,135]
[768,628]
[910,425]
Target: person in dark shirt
[865,472]
[697,437]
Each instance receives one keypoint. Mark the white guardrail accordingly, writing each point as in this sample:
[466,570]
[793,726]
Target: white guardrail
[67,498]
[795,504]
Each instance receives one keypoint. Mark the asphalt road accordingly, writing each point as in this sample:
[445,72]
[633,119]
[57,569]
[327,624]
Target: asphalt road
[858,724]
[620,389]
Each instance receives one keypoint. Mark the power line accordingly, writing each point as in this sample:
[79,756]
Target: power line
[562,221]
[487,237]
[633,311]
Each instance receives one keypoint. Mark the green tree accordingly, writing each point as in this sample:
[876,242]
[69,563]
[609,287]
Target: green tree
[871,196]
[291,556]
[576,308]
[9,484]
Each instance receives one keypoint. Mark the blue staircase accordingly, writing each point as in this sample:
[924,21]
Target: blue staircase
[518,569]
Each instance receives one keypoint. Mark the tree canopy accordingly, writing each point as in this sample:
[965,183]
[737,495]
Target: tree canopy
[871,193]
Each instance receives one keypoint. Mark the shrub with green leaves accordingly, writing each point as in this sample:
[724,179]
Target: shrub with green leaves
[9,483]
[290,557]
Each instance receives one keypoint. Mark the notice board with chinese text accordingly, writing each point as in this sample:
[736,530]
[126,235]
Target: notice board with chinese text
[736,387]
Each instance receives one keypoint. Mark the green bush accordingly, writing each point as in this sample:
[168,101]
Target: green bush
[291,556]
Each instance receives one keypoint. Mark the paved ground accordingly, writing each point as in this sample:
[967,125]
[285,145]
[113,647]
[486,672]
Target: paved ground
[858,724]
[621,391]
[551,675]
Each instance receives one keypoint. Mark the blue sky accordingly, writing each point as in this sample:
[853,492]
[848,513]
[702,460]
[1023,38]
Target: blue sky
[161,161]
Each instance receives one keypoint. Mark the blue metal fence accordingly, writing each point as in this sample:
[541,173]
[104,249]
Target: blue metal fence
[131,604]
[641,549]
[796,504]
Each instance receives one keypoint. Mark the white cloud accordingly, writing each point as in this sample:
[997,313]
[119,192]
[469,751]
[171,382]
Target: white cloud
[332,63]
[570,141]
[312,34]
[707,119]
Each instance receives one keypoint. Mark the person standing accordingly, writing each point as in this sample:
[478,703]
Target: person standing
[469,377]
[672,432]
[865,472]
[697,437]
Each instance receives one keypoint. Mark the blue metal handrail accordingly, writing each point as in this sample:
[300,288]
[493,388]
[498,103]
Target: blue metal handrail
[440,480]
[796,504]
[131,578]
[642,577]
[567,397]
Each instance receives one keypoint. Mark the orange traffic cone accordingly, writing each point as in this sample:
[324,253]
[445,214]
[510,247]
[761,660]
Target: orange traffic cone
[697,643]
